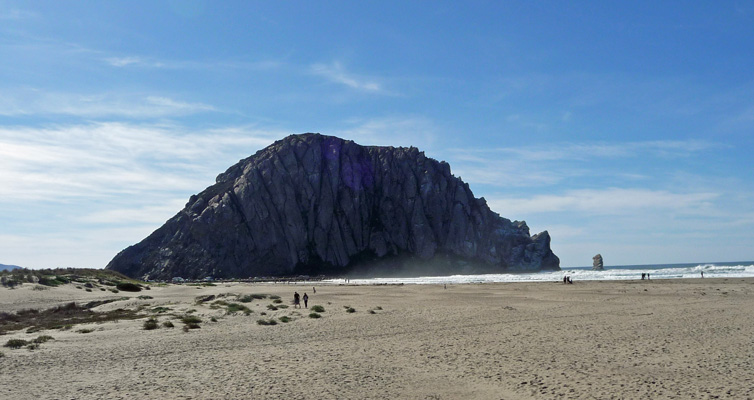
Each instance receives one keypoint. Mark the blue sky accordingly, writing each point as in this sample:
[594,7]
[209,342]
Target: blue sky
[622,128]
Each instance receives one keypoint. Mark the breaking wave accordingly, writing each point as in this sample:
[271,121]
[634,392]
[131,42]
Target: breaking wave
[626,272]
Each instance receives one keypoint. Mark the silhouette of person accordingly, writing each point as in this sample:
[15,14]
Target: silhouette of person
[296,300]
[306,300]
[314,290]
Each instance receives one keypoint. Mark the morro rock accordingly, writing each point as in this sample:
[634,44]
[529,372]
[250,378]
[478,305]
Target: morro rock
[312,204]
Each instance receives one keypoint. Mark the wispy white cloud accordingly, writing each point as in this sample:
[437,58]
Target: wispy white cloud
[549,164]
[591,150]
[145,214]
[96,188]
[610,201]
[16,14]
[36,102]
[123,61]
[82,248]
[335,72]
[390,131]
[150,62]
[97,161]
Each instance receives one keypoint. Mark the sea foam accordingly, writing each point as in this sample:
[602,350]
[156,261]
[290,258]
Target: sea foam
[626,272]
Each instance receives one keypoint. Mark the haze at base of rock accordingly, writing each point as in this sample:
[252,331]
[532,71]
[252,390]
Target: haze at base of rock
[313,204]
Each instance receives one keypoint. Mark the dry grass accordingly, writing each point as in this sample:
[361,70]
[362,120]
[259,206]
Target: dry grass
[60,317]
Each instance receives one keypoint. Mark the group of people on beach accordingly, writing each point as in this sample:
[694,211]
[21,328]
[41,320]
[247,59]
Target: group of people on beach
[567,279]
[297,299]
[645,274]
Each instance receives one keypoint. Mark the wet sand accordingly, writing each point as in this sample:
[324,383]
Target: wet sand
[659,339]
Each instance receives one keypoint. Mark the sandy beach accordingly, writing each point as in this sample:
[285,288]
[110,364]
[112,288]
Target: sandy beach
[659,339]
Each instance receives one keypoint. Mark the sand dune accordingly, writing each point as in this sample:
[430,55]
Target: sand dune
[681,339]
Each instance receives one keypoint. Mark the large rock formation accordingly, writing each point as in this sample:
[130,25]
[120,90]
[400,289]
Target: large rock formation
[313,204]
[597,263]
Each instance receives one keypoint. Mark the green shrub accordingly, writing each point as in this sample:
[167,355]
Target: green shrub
[51,281]
[258,296]
[314,315]
[266,322]
[16,343]
[277,301]
[350,310]
[150,324]
[114,290]
[42,339]
[213,319]
[274,297]
[318,309]
[245,299]
[168,324]
[285,319]
[144,297]
[271,307]
[85,330]
[372,312]
[190,319]
[159,310]
[32,346]
[128,287]
[235,307]
[282,306]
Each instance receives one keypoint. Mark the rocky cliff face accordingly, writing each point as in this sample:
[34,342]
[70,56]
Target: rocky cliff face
[597,264]
[313,204]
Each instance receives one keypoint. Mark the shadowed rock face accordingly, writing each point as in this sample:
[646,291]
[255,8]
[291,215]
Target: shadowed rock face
[313,204]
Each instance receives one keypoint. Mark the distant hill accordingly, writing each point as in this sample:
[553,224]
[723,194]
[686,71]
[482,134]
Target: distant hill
[4,267]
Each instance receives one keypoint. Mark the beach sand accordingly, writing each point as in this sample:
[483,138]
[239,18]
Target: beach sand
[659,339]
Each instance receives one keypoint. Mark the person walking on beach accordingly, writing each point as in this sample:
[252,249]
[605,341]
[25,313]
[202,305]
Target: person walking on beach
[306,300]
[314,290]
[296,300]
[702,274]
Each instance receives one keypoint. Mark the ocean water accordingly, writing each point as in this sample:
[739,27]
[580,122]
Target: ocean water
[742,269]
